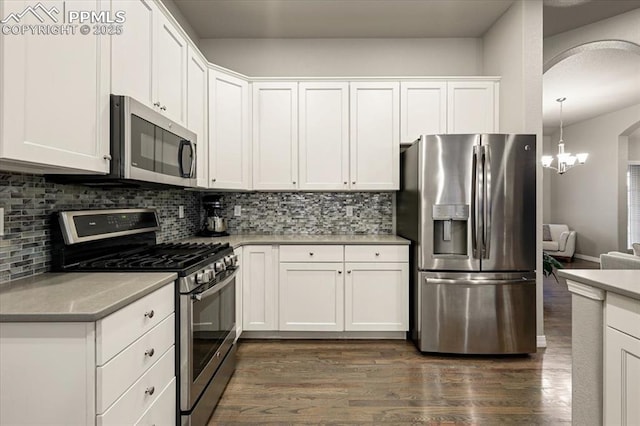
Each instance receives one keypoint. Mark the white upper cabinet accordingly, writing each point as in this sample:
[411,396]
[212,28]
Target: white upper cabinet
[324,136]
[472,107]
[229,121]
[171,69]
[423,109]
[197,114]
[55,97]
[149,59]
[132,65]
[375,136]
[275,135]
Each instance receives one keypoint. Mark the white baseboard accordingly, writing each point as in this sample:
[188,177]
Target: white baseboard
[585,257]
[541,341]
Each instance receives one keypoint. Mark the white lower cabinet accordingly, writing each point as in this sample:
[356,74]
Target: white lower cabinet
[376,297]
[311,296]
[238,253]
[259,289]
[114,371]
[622,361]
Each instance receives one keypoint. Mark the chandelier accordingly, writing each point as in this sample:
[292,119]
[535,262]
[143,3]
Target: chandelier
[565,159]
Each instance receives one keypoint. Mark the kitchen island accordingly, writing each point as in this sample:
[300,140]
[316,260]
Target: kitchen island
[605,345]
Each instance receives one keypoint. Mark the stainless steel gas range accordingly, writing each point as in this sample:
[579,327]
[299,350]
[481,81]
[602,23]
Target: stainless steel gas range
[125,240]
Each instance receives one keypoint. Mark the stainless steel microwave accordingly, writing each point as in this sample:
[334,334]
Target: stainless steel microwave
[147,146]
[147,149]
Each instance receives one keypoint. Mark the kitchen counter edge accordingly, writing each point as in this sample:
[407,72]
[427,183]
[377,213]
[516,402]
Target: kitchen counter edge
[76,296]
[240,240]
[622,282]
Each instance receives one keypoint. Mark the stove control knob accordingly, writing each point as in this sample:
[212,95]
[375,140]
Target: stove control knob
[219,266]
[202,277]
[211,273]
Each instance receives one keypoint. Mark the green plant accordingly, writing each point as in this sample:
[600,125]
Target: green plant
[548,263]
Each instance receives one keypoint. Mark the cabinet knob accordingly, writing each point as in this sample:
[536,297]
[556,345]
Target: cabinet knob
[107,157]
[353,183]
[348,272]
[149,352]
[377,254]
[213,180]
[150,390]
[163,108]
[310,253]
[149,314]
[339,272]
[156,104]
[294,182]
[346,182]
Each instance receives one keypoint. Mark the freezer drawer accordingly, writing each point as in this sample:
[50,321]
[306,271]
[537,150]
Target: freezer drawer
[467,315]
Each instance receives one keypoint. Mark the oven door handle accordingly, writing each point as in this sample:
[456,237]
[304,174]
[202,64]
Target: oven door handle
[196,296]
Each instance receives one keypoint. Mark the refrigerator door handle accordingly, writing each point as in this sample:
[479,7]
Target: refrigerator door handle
[474,203]
[454,281]
[486,171]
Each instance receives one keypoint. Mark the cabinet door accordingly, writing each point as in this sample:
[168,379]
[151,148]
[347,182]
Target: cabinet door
[171,70]
[324,136]
[55,94]
[621,379]
[377,297]
[311,297]
[259,290]
[275,135]
[197,113]
[423,109]
[239,276]
[132,51]
[375,136]
[471,107]
[229,159]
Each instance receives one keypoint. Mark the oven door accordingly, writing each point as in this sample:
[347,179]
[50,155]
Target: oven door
[207,332]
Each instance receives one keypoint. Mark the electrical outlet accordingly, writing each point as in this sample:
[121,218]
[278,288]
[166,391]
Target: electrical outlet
[180,212]
[237,210]
[349,210]
[1,222]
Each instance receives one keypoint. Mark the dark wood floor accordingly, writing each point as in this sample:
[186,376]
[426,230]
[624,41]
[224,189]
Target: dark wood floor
[376,382]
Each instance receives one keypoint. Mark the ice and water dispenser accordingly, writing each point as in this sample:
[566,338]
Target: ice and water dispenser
[450,229]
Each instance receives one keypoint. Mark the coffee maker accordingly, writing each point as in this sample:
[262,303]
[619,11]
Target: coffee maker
[215,224]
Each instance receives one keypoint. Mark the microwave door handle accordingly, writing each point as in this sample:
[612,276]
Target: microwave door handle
[486,171]
[193,160]
[184,143]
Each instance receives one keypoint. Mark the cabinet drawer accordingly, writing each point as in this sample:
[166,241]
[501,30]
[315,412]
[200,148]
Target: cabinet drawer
[118,330]
[122,370]
[623,314]
[370,253]
[163,409]
[142,394]
[311,253]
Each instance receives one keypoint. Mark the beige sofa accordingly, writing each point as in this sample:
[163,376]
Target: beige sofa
[619,260]
[563,241]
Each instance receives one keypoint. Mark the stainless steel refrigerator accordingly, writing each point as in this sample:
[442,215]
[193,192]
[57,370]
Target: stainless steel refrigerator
[468,204]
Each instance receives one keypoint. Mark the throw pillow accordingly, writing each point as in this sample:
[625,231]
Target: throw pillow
[546,233]
[636,248]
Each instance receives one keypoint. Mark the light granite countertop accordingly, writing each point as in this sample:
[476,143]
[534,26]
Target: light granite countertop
[623,282]
[75,296]
[282,239]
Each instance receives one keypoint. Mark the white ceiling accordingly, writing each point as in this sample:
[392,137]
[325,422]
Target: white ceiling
[594,82]
[341,18]
[565,15]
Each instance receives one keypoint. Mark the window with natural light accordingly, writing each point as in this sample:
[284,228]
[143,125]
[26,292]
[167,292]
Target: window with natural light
[633,204]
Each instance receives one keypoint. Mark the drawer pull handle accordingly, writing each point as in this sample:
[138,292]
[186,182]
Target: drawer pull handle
[149,352]
[377,254]
[149,314]
[150,390]
[310,253]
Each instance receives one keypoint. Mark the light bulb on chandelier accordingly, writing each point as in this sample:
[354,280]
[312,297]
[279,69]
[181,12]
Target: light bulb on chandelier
[565,159]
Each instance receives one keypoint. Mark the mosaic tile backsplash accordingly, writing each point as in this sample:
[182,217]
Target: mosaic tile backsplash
[313,213]
[29,201]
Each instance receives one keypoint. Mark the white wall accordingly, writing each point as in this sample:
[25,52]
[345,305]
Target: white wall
[634,146]
[621,27]
[179,17]
[512,49]
[587,198]
[548,148]
[347,57]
